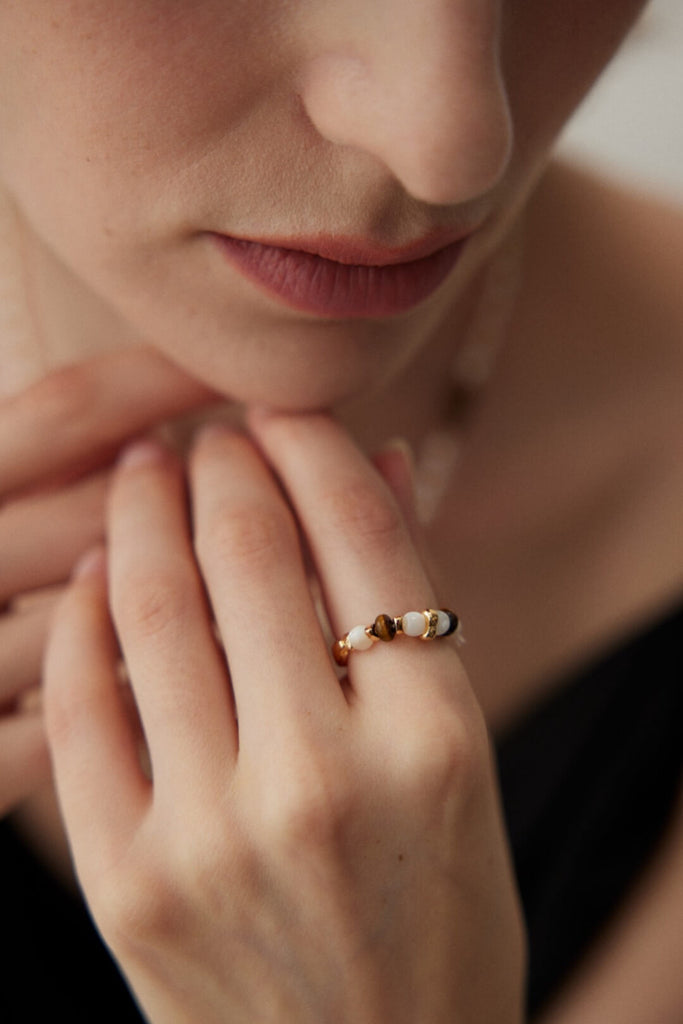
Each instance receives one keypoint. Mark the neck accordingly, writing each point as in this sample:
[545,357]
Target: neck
[435,395]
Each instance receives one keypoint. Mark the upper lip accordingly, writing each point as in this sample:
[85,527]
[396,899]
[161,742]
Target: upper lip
[357,251]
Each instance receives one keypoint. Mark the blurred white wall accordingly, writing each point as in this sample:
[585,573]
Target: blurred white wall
[632,124]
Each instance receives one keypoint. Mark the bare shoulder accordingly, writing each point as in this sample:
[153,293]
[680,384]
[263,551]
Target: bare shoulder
[619,286]
[615,206]
[633,246]
[574,470]
[630,244]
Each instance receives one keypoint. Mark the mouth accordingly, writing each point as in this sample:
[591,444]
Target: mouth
[341,278]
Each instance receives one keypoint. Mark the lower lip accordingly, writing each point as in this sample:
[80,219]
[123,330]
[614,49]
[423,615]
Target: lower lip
[324,287]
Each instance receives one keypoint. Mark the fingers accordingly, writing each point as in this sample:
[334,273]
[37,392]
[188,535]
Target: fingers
[357,533]
[164,625]
[77,417]
[251,559]
[360,541]
[24,759]
[42,537]
[22,640]
[247,544]
[252,566]
[94,748]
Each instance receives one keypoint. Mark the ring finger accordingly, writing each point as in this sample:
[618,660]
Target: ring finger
[361,544]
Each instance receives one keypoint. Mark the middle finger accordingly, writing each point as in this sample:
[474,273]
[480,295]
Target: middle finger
[252,561]
[361,544]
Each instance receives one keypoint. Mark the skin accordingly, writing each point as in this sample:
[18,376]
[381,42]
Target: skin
[122,194]
[111,200]
[56,462]
[315,837]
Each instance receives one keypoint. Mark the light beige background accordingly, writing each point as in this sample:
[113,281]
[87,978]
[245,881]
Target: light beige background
[632,124]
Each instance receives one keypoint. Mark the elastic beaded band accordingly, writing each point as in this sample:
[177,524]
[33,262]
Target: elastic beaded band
[430,624]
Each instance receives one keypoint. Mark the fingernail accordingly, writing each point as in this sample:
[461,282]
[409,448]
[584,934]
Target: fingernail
[142,453]
[400,446]
[91,564]
[398,452]
[216,429]
[396,463]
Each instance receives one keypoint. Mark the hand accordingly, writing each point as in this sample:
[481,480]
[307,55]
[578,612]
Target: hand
[56,438]
[306,851]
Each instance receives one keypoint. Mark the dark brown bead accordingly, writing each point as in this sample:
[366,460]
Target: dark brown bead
[384,628]
[453,622]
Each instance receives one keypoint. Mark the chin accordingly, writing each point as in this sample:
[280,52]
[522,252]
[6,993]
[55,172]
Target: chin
[254,349]
[284,384]
[297,366]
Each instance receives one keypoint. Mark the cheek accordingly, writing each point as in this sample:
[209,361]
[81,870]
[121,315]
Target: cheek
[107,107]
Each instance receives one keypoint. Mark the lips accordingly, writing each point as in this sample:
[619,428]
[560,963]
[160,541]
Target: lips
[341,279]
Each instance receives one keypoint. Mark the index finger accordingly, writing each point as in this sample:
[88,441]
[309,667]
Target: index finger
[78,416]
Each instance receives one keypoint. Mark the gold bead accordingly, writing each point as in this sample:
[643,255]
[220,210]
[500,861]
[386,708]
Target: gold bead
[340,652]
[432,620]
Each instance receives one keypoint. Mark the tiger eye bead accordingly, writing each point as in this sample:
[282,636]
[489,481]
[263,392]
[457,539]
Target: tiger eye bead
[384,628]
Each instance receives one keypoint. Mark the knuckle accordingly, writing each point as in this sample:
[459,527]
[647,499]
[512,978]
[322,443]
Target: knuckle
[365,515]
[309,813]
[445,756]
[62,714]
[153,604]
[67,704]
[245,534]
[208,863]
[136,905]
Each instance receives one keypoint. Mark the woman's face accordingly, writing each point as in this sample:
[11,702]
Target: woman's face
[140,138]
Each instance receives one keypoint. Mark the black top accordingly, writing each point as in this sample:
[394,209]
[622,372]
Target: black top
[589,780]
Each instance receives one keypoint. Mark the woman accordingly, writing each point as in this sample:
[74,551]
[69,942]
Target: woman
[348,209]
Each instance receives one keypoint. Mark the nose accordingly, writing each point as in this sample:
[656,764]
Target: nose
[417,85]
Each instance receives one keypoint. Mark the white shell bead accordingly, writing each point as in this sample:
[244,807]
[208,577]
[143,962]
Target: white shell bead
[443,624]
[358,639]
[414,623]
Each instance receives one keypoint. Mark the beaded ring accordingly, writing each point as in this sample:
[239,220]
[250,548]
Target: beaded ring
[430,624]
